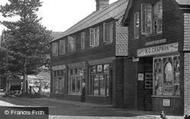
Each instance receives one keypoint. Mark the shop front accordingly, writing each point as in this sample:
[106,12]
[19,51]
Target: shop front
[100,81]
[159,79]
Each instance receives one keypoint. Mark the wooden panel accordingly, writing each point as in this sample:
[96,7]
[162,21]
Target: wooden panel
[121,41]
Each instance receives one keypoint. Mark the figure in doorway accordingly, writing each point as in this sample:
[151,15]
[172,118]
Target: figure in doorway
[83,93]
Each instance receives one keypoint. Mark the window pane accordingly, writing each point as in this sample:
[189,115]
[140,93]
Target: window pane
[83,34]
[136,25]
[62,47]
[158,17]
[146,18]
[71,44]
[102,85]
[96,85]
[108,32]
[55,49]
[94,37]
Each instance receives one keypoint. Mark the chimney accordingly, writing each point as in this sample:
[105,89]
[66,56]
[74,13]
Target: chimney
[100,4]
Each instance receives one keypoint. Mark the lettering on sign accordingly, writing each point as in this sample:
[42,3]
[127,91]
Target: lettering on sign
[59,67]
[162,49]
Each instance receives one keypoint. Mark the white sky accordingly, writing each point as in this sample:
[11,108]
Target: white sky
[59,15]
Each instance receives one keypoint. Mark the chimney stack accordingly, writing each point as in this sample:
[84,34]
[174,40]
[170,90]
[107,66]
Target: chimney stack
[100,4]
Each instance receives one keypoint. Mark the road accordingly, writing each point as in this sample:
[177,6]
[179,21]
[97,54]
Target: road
[61,109]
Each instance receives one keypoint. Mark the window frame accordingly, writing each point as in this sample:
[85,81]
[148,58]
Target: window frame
[55,49]
[108,32]
[62,47]
[94,37]
[71,41]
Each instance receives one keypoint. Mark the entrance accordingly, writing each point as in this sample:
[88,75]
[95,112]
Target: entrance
[145,84]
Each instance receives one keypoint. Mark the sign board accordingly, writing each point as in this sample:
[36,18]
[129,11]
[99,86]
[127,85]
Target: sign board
[161,49]
[59,67]
[140,76]
[166,102]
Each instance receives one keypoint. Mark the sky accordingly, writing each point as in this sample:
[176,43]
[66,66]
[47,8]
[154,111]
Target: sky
[59,15]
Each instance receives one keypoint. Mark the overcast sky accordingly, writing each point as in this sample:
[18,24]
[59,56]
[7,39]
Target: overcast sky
[59,15]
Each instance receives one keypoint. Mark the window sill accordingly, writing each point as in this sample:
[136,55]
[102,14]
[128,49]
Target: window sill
[101,96]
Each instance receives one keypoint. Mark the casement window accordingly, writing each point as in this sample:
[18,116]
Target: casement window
[151,18]
[136,25]
[71,44]
[158,12]
[108,32]
[166,76]
[62,48]
[146,17]
[94,37]
[99,83]
[55,49]
[83,40]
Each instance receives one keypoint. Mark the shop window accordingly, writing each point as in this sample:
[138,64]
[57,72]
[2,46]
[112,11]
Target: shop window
[136,25]
[151,18]
[94,37]
[99,81]
[108,33]
[62,48]
[75,81]
[55,49]
[71,44]
[83,40]
[166,76]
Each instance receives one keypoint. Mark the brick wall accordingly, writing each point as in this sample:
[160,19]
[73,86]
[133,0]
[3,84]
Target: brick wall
[187,83]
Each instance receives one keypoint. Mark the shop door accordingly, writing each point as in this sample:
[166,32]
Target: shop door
[148,91]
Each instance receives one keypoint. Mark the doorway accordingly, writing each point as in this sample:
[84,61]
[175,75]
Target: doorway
[145,84]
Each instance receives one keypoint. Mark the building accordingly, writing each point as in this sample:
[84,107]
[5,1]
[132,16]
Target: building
[91,53]
[159,55]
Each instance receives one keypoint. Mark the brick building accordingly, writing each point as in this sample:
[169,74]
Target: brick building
[159,55]
[92,53]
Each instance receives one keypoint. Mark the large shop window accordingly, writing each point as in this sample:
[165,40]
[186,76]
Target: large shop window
[151,18]
[58,79]
[76,78]
[166,76]
[55,49]
[62,48]
[71,44]
[99,80]
[94,37]
[108,32]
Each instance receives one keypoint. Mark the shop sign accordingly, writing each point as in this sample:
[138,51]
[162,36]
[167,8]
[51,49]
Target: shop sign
[140,76]
[162,49]
[59,67]
[166,102]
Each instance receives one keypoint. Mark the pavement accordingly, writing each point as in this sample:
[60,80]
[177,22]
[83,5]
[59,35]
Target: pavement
[64,109]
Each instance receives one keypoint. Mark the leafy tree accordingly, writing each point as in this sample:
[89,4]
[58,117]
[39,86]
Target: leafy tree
[26,39]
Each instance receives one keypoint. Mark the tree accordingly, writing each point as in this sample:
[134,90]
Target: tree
[26,40]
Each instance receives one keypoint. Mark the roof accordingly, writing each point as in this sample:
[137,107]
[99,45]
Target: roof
[56,35]
[114,10]
[183,2]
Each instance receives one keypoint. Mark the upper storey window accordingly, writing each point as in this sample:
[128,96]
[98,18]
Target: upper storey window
[71,44]
[108,32]
[83,40]
[62,48]
[94,37]
[55,49]
[136,25]
[151,18]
